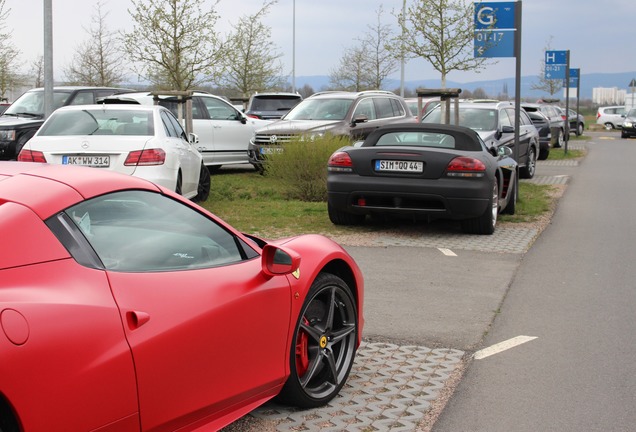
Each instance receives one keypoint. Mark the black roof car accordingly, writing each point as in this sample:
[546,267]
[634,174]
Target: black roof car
[271,106]
[351,114]
[422,171]
[494,122]
[25,116]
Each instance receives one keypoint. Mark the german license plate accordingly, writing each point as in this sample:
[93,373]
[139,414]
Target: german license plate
[92,161]
[399,166]
[271,150]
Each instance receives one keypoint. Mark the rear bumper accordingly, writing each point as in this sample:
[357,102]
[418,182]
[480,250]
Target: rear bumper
[444,198]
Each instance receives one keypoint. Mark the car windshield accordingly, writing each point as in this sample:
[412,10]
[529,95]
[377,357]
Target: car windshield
[320,109]
[32,103]
[478,119]
[632,113]
[426,139]
[274,103]
[99,122]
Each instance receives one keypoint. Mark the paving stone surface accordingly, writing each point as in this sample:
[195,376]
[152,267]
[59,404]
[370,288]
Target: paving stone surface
[390,389]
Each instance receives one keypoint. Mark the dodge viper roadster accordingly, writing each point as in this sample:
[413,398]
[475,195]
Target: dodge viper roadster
[125,307]
[423,171]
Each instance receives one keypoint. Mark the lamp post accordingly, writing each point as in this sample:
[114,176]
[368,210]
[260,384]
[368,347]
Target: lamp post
[48,58]
[294,47]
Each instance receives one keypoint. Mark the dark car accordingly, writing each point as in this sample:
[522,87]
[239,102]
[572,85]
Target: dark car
[542,124]
[553,114]
[494,122]
[629,124]
[25,116]
[576,122]
[350,114]
[271,106]
[423,171]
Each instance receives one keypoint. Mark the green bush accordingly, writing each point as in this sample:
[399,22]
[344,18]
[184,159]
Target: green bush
[301,166]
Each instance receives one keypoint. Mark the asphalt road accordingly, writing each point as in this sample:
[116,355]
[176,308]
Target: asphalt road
[575,291]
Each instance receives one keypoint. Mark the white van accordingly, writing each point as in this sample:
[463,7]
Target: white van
[611,116]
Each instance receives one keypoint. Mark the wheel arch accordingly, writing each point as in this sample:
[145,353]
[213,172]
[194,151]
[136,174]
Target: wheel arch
[341,269]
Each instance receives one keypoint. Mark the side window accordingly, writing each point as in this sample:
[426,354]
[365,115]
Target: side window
[141,231]
[176,126]
[524,118]
[383,107]
[83,98]
[219,110]
[168,125]
[365,107]
[398,109]
[504,118]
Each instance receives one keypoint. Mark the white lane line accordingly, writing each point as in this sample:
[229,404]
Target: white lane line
[502,346]
[447,252]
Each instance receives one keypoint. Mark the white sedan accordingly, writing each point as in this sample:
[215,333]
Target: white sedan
[142,141]
[224,132]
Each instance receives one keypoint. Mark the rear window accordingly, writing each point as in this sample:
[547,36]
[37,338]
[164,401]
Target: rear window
[98,122]
[274,103]
[427,139]
[474,118]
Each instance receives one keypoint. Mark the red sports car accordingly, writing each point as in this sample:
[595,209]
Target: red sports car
[125,307]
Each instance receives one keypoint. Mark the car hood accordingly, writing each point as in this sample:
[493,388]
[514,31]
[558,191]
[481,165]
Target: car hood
[294,127]
[12,121]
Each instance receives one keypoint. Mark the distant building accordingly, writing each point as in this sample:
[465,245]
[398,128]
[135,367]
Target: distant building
[608,96]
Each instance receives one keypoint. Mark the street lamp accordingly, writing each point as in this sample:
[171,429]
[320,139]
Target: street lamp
[294,47]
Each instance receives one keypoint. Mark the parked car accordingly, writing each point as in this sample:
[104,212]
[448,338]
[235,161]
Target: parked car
[427,105]
[271,106]
[224,132]
[350,114]
[542,124]
[557,122]
[3,107]
[577,123]
[610,116]
[123,299]
[494,122]
[23,118]
[629,124]
[424,171]
[142,141]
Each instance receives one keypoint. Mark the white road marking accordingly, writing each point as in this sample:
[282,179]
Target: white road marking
[502,346]
[447,252]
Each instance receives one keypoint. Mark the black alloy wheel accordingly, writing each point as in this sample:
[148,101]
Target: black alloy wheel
[324,344]
[203,189]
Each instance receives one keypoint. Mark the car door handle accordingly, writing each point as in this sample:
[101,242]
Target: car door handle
[136,319]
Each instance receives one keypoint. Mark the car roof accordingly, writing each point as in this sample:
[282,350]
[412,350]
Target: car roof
[350,95]
[64,185]
[112,106]
[461,131]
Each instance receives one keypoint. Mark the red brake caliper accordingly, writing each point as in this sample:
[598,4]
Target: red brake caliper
[302,351]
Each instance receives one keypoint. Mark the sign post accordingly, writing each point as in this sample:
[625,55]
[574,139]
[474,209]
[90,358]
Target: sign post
[557,66]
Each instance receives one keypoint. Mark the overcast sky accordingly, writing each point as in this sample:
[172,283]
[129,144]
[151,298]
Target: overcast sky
[599,33]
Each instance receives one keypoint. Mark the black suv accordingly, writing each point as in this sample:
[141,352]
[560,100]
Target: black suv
[271,106]
[351,114]
[25,116]
[553,114]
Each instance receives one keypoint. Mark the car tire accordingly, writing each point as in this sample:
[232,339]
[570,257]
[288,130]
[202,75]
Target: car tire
[203,188]
[324,344]
[624,134]
[580,129]
[338,217]
[608,126]
[511,207]
[179,185]
[530,168]
[560,140]
[544,153]
[486,223]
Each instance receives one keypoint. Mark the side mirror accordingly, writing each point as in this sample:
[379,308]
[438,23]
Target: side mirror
[507,129]
[242,118]
[277,261]
[504,151]
[359,119]
[193,138]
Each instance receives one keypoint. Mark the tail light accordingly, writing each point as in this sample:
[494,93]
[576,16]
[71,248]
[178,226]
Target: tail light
[146,157]
[31,156]
[253,116]
[598,115]
[463,166]
[340,162]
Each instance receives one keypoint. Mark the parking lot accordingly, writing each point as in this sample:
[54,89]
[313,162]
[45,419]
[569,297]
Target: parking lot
[431,295]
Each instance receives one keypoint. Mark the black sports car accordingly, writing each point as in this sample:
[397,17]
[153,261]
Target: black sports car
[425,171]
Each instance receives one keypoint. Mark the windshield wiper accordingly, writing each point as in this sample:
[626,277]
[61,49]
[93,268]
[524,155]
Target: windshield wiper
[26,114]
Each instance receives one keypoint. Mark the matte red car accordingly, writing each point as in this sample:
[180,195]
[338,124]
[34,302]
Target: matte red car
[125,307]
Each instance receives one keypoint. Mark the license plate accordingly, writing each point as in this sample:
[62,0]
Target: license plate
[399,166]
[271,150]
[91,161]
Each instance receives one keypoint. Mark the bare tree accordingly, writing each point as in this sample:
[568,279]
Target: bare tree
[174,43]
[441,32]
[544,84]
[9,55]
[367,64]
[37,71]
[98,60]
[254,63]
